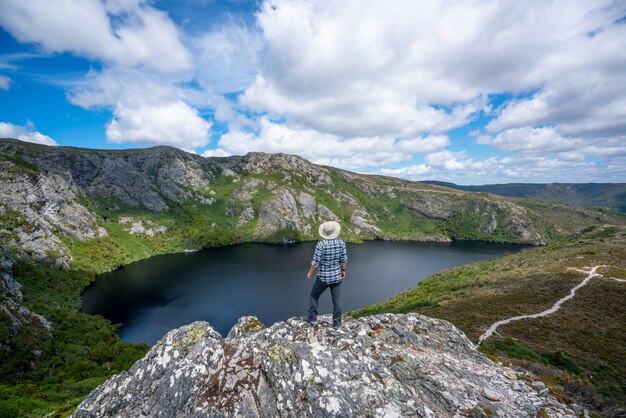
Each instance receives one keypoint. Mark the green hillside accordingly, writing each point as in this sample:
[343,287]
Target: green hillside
[610,196]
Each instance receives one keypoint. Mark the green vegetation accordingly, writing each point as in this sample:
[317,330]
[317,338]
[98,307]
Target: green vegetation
[12,222]
[83,352]
[19,164]
[585,339]
[601,195]
[514,349]
[189,226]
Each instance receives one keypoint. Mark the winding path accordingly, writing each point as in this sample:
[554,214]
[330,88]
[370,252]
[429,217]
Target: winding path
[590,273]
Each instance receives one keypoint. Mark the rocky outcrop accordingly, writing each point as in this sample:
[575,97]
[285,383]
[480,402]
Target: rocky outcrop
[279,212]
[20,329]
[134,226]
[292,167]
[41,208]
[378,366]
[433,205]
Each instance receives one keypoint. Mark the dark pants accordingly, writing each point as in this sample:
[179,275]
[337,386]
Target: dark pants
[335,291]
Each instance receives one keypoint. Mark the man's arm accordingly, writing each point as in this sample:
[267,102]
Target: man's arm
[344,265]
[316,260]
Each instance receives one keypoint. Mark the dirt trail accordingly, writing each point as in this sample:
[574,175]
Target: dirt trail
[590,273]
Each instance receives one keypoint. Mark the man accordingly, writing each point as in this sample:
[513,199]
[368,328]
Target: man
[330,259]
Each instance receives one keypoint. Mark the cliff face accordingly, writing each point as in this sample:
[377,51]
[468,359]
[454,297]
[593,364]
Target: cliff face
[383,365]
[161,197]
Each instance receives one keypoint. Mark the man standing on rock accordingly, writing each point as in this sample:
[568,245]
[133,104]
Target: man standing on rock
[330,259]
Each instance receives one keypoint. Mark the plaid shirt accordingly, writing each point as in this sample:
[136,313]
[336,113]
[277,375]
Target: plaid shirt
[327,259]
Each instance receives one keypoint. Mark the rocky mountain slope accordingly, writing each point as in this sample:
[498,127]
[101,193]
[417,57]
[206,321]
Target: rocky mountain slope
[380,366]
[98,209]
[600,195]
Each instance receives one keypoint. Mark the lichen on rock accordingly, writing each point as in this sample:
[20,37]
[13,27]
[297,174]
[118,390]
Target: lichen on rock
[380,366]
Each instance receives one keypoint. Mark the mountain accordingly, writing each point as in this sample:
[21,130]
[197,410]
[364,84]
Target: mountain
[97,209]
[381,366]
[600,195]
[67,214]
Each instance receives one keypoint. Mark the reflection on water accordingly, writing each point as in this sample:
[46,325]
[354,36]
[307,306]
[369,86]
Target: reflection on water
[219,285]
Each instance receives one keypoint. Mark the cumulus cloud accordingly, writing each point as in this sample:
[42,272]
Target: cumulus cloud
[146,110]
[216,153]
[370,68]
[119,32]
[531,139]
[5,82]
[325,148]
[226,59]
[584,91]
[24,133]
[174,123]
[550,140]
[411,171]
[530,169]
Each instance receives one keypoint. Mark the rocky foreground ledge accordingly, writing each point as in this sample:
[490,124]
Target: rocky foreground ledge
[378,366]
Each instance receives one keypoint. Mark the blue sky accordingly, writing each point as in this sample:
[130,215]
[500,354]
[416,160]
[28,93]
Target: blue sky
[471,92]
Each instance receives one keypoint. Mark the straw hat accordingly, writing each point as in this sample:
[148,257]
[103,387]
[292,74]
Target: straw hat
[330,230]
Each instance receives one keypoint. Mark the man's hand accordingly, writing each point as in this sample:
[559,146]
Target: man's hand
[309,275]
[343,274]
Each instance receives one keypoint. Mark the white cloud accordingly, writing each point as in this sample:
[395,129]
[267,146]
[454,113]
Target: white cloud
[147,108]
[529,169]
[447,160]
[120,85]
[174,123]
[411,171]
[550,141]
[24,133]
[216,153]
[583,87]
[226,59]
[125,33]
[324,148]
[5,82]
[377,69]
[531,139]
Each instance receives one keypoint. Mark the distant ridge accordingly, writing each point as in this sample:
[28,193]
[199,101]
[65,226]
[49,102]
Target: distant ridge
[600,195]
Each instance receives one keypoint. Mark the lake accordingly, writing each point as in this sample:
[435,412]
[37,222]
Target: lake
[219,285]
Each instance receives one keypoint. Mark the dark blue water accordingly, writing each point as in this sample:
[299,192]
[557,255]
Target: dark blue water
[219,285]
